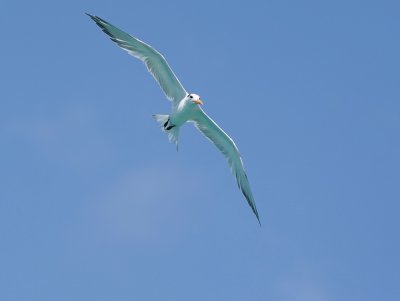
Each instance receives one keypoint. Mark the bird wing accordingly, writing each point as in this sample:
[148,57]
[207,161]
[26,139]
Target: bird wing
[225,144]
[154,61]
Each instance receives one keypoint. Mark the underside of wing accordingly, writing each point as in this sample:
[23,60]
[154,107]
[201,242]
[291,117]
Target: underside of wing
[154,61]
[226,145]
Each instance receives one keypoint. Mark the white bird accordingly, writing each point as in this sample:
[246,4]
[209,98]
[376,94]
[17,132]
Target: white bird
[185,106]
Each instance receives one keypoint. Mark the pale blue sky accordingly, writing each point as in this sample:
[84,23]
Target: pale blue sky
[95,204]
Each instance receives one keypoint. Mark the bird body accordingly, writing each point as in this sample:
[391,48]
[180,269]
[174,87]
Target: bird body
[185,106]
[185,110]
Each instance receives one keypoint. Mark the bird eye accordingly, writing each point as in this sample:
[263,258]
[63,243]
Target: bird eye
[191,96]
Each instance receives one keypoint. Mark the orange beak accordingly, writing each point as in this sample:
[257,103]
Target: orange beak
[198,101]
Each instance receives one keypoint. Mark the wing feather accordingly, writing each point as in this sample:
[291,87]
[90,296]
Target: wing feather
[225,144]
[154,61]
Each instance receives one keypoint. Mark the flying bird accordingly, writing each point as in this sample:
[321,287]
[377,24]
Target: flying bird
[185,106]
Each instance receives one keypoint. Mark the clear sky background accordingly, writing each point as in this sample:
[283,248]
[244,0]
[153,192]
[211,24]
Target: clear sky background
[95,204]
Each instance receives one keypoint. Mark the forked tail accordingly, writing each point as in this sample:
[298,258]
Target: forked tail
[171,130]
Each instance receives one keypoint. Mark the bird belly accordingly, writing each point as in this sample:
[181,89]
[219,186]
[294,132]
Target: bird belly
[182,114]
[178,118]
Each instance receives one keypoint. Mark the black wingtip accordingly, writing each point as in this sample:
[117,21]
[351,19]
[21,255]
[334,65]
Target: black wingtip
[96,19]
[257,216]
[251,203]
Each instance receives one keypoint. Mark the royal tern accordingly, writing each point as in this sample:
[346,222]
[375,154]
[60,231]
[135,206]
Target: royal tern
[185,106]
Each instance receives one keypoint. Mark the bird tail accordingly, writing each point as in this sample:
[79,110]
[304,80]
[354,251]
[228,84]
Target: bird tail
[172,131]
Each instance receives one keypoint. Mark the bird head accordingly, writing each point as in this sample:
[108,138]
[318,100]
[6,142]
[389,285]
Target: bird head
[194,98]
